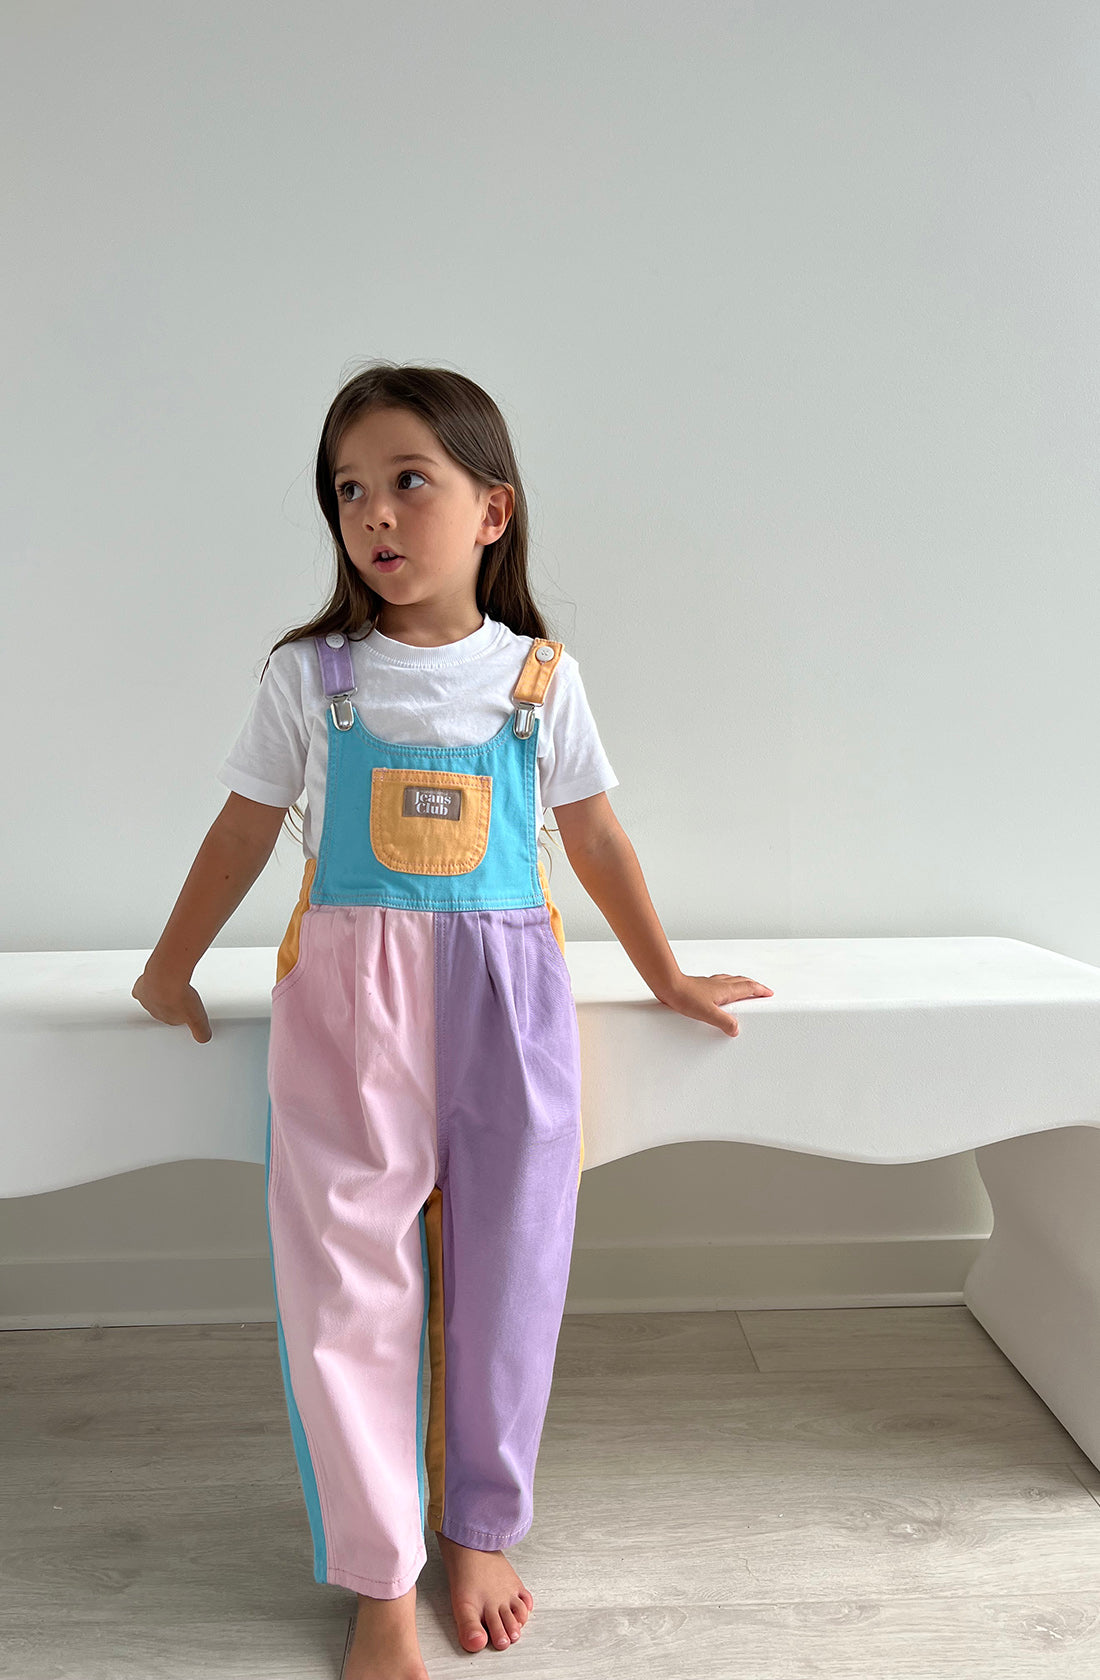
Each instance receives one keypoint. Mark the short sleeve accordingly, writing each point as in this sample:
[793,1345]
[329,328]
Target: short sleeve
[572,761]
[267,761]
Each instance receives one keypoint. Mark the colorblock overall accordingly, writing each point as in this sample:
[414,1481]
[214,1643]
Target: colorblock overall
[424,1142]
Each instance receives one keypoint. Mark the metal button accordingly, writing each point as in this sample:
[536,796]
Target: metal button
[543,653]
[334,639]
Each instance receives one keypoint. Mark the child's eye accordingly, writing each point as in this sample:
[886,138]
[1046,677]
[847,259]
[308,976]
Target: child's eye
[349,483]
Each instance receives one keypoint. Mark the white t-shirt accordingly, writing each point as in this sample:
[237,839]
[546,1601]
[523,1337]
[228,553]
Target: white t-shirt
[453,696]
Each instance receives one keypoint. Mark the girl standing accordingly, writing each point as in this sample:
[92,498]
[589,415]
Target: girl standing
[424,1141]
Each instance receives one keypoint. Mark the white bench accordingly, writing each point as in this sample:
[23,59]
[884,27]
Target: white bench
[884,1050]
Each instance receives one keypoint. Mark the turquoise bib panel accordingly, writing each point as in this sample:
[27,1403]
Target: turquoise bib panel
[356,842]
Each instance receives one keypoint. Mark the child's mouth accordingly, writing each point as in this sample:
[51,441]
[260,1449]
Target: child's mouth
[390,565]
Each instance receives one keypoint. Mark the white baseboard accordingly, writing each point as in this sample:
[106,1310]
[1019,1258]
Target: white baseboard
[700,1277]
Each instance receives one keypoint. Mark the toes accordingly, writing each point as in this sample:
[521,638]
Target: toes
[526,1597]
[512,1626]
[520,1609]
[470,1631]
[497,1631]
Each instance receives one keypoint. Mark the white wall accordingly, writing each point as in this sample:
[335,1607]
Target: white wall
[792,310]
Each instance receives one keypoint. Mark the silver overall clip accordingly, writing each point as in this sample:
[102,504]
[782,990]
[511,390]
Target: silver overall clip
[523,722]
[343,716]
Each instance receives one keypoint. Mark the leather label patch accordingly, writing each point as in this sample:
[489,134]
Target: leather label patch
[432,802]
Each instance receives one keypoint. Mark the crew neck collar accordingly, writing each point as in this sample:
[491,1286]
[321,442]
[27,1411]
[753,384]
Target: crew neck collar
[468,647]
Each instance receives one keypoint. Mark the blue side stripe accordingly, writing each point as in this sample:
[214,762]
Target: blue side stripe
[298,1434]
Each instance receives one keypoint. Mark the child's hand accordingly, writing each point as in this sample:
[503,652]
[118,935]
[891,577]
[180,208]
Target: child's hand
[699,995]
[175,1002]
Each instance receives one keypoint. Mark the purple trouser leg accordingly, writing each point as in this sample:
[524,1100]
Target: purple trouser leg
[508,1095]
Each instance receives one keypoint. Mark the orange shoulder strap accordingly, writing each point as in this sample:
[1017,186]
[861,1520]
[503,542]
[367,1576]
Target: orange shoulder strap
[538,668]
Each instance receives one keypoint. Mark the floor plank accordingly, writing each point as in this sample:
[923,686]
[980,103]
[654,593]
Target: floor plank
[735,1496]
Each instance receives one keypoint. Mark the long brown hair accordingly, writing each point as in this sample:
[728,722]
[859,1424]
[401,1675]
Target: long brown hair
[471,428]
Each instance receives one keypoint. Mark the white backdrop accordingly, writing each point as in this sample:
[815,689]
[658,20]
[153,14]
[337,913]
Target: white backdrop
[792,311]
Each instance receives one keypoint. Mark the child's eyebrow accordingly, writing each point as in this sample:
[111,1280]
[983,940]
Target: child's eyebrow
[395,460]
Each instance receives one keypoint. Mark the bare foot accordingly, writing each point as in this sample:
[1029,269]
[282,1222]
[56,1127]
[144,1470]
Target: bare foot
[385,1646]
[485,1589]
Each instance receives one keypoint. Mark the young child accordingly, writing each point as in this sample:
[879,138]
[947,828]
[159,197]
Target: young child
[424,1142]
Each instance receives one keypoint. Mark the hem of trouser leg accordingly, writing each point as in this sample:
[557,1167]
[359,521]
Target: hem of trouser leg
[370,1587]
[479,1539]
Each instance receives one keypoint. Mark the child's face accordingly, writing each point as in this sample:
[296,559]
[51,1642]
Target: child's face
[430,510]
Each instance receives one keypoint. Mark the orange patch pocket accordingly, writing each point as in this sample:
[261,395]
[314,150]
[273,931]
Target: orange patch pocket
[429,822]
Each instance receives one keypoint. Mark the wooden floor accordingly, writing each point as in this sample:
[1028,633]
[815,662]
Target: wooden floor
[871,1493]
